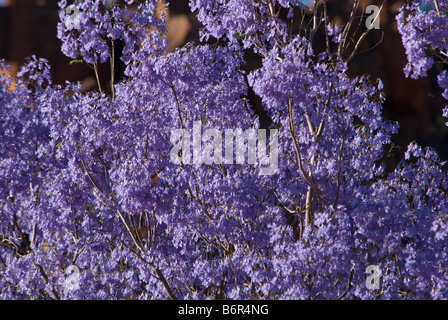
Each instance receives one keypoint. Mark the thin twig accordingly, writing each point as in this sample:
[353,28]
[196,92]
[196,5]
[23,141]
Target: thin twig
[112,69]
[95,68]
[361,38]
[167,287]
[327,38]
[178,107]
[436,4]
[315,25]
[347,28]
[137,244]
[148,221]
[90,177]
[338,179]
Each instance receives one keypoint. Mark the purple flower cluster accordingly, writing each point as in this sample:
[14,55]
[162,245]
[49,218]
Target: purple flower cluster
[87,184]
[423,25]
[255,23]
[88,31]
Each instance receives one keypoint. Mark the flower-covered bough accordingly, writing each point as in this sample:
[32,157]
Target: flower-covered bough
[87,183]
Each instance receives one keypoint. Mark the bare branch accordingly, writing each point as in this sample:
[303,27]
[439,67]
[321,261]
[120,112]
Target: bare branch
[436,4]
[112,69]
[316,24]
[95,68]
[178,107]
[136,242]
[338,178]
[347,28]
[167,287]
[361,38]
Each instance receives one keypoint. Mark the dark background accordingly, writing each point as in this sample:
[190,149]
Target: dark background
[29,27]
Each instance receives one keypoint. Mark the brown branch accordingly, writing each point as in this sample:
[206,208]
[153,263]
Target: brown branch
[112,69]
[338,179]
[307,177]
[342,295]
[315,24]
[167,287]
[361,38]
[178,107]
[42,272]
[148,221]
[134,227]
[436,4]
[347,28]
[95,68]
[159,275]
[90,177]
[399,272]
[327,38]
[137,244]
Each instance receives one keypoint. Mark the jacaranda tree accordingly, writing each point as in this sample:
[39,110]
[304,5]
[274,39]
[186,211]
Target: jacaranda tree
[140,190]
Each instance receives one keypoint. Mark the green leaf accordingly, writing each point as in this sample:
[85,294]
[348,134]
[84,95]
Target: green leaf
[76,61]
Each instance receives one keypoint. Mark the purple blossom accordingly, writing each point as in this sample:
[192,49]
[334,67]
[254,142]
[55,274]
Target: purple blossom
[424,30]
[86,181]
